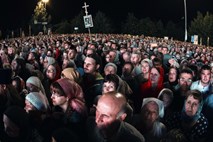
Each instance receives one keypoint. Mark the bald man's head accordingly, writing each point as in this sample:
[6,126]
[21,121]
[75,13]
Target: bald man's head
[111,107]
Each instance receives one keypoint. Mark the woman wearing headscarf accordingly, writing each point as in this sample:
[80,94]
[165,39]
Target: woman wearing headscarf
[191,121]
[72,74]
[38,109]
[166,96]
[153,86]
[52,73]
[69,97]
[34,84]
[148,121]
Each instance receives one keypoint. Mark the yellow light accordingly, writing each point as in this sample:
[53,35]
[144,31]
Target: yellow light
[45,1]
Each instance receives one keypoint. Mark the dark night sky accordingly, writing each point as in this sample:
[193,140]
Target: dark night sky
[14,13]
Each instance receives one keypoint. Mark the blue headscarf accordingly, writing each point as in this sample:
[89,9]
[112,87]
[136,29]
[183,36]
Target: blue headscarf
[188,119]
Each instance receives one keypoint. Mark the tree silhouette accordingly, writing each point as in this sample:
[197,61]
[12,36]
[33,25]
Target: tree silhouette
[202,26]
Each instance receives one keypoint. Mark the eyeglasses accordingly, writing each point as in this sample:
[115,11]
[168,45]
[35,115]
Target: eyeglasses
[186,80]
[50,71]
[55,93]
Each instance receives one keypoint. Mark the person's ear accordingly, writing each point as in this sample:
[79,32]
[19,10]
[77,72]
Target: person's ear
[4,86]
[123,116]
[97,66]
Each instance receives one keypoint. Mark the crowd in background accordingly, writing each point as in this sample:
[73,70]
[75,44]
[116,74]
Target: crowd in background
[103,87]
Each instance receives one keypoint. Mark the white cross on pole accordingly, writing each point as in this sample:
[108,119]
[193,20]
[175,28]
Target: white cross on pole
[85,7]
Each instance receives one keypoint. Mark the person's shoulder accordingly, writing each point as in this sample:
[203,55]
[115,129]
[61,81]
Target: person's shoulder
[129,132]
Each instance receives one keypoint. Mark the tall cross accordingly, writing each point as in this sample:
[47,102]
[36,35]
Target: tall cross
[85,7]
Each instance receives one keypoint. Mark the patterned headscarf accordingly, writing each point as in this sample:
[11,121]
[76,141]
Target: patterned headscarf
[74,93]
[71,74]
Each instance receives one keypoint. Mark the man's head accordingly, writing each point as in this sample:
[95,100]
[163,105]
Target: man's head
[205,74]
[110,109]
[185,79]
[92,64]
[135,58]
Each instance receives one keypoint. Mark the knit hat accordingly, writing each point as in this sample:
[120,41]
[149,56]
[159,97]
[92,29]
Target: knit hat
[111,64]
[35,99]
[5,76]
[158,102]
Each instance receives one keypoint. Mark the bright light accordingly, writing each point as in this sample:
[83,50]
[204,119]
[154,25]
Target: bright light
[45,1]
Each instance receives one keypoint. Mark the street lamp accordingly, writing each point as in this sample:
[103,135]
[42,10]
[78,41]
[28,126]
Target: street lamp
[185,15]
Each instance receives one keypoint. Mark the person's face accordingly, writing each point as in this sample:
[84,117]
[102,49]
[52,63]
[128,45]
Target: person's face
[41,60]
[49,53]
[65,55]
[57,98]
[112,56]
[185,80]
[31,87]
[45,62]
[71,54]
[107,58]
[14,65]
[154,75]
[106,112]
[89,65]
[28,106]
[127,69]
[51,72]
[166,100]
[135,59]
[145,67]
[126,57]
[15,84]
[30,57]
[172,75]
[89,52]
[11,129]
[191,106]
[109,70]
[108,87]
[65,63]
[205,76]
[164,50]
[150,112]
[10,51]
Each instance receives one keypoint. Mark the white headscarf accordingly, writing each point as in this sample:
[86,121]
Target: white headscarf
[158,102]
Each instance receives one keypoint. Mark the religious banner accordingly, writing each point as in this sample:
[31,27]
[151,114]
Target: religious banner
[88,23]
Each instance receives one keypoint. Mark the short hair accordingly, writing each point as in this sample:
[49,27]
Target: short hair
[112,78]
[205,67]
[96,58]
[157,61]
[129,63]
[186,70]
[196,94]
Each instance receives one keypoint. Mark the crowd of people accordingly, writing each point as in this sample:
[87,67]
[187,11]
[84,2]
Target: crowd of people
[105,87]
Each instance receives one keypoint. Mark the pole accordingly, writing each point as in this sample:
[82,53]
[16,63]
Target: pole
[185,11]
[86,12]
